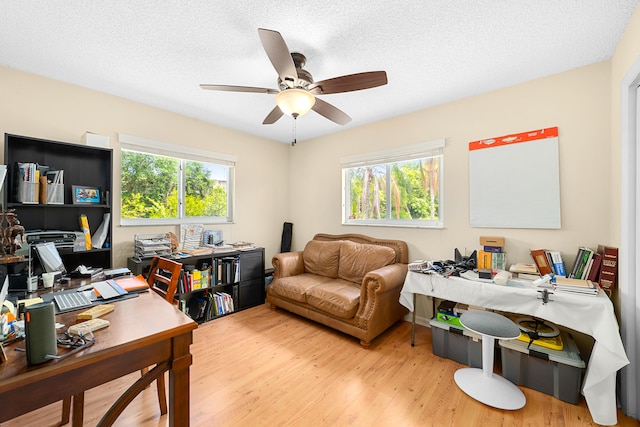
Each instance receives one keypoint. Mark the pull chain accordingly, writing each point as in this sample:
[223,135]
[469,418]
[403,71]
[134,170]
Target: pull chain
[293,130]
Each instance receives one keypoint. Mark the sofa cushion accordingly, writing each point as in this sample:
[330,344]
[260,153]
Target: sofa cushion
[357,259]
[296,287]
[338,297]
[322,258]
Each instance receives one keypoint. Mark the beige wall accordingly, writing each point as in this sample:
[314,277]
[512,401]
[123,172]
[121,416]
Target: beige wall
[577,102]
[34,106]
[627,52]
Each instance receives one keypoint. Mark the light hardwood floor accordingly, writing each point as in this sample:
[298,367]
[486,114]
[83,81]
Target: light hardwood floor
[272,368]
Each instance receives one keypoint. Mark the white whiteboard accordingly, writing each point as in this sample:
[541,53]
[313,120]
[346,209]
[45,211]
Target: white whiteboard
[514,181]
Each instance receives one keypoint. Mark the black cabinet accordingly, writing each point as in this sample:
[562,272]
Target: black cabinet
[251,284]
[238,274]
[84,166]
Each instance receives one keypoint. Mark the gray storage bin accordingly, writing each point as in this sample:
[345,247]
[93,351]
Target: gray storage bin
[554,372]
[456,343]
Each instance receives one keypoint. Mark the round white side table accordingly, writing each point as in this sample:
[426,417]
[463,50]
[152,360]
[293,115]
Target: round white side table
[482,384]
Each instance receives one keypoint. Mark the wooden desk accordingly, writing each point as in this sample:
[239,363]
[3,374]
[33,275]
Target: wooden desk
[591,315]
[144,331]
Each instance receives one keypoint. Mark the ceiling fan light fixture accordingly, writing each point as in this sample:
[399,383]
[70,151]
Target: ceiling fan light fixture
[295,102]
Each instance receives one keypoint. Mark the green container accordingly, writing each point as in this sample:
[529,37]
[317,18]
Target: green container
[448,318]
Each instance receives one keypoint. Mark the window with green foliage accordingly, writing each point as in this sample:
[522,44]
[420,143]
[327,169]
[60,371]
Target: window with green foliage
[161,188]
[396,187]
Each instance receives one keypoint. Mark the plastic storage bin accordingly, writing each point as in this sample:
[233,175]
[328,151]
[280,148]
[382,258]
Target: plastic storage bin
[456,343]
[554,372]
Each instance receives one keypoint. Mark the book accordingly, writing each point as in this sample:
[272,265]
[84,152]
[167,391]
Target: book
[595,267]
[522,267]
[484,259]
[608,267]
[580,286]
[527,276]
[540,259]
[582,263]
[587,263]
[498,261]
[582,258]
[558,263]
[132,283]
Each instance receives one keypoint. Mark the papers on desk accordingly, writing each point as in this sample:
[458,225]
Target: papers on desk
[108,289]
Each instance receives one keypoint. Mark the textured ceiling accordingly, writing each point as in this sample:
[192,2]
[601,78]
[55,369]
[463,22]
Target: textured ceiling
[434,51]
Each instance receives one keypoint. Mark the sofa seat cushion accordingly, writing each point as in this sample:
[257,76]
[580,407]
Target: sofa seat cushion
[322,258]
[357,259]
[338,297]
[296,287]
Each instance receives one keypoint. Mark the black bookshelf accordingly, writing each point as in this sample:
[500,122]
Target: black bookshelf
[247,290]
[83,166]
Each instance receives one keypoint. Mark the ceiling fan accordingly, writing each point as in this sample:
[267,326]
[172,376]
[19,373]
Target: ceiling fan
[296,93]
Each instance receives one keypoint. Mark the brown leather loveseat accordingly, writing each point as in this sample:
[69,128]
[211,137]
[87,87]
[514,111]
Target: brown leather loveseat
[348,282]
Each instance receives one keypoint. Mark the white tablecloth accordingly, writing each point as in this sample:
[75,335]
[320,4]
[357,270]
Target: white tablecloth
[592,315]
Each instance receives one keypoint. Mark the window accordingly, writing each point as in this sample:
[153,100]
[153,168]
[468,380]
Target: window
[401,187]
[165,184]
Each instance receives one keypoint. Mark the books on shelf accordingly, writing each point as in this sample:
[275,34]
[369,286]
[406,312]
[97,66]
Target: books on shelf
[206,306]
[225,271]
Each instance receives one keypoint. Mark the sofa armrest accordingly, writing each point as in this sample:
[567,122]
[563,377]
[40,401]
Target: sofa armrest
[287,264]
[376,284]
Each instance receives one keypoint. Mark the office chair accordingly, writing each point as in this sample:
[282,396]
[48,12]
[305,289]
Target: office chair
[162,278]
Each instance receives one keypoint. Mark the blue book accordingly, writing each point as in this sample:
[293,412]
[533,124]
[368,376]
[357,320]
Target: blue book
[558,264]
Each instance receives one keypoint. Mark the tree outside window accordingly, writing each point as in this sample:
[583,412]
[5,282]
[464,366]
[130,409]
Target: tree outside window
[162,187]
[404,192]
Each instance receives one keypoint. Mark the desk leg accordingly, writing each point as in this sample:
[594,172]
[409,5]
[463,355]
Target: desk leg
[413,323]
[179,381]
[78,410]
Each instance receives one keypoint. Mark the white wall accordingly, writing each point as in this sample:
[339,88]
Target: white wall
[38,107]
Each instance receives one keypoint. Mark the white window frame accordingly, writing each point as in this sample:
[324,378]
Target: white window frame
[182,153]
[394,155]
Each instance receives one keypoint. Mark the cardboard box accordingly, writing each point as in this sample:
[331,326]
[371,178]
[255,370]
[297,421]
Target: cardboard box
[492,241]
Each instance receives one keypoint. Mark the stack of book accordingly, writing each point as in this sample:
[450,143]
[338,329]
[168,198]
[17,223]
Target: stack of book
[492,255]
[576,286]
[527,271]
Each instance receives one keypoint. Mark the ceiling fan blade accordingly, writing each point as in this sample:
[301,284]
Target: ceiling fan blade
[273,116]
[279,54]
[228,88]
[349,83]
[330,112]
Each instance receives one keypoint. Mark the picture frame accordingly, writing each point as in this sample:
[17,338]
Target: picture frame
[82,195]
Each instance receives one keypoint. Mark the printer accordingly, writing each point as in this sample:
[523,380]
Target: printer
[65,241]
